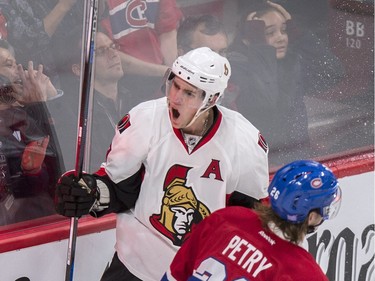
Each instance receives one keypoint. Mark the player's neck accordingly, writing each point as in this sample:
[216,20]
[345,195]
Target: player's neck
[109,90]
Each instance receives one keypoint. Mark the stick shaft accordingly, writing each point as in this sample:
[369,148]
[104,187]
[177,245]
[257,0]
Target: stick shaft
[86,89]
[71,249]
[86,82]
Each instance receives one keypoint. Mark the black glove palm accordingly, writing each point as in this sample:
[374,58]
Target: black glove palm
[75,197]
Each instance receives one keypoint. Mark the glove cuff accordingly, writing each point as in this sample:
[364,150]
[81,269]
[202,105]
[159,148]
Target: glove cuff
[103,198]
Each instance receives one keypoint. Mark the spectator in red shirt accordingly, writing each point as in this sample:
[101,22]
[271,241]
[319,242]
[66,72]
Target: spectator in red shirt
[145,31]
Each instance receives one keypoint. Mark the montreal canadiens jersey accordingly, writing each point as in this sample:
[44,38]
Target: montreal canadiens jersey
[232,245]
[179,188]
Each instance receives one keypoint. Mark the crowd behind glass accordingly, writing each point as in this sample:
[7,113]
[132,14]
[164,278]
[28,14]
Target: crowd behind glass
[312,98]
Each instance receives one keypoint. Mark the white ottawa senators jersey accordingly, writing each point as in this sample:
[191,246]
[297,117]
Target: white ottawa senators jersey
[179,188]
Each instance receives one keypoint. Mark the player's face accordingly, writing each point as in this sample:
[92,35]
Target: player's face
[217,43]
[108,62]
[182,219]
[8,68]
[315,220]
[276,34]
[184,100]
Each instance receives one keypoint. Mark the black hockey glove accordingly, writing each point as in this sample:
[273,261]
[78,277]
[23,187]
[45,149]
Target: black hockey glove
[76,197]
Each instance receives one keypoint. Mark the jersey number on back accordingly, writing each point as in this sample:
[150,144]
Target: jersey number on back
[211,270]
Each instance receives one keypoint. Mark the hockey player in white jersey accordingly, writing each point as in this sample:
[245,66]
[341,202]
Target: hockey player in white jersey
[172,162]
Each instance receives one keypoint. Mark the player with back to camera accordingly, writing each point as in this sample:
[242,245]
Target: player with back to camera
[172,162]
[237,243]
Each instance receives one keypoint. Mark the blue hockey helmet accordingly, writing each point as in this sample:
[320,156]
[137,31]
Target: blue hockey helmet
[303,186]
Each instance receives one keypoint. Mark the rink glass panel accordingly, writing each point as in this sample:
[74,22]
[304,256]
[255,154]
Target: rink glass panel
[339,105]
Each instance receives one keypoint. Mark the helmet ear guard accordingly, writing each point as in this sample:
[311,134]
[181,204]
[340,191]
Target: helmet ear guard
[303,186]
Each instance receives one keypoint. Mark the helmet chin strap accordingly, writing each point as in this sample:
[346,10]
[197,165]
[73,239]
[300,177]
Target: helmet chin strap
[203,108]
[196,116]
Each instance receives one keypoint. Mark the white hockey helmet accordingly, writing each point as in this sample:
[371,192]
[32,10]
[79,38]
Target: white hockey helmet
[206,70]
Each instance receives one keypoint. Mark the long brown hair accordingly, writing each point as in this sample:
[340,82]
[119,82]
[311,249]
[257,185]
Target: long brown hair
[295,233]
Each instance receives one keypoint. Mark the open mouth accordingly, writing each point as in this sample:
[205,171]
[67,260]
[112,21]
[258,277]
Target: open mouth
[18,82]
[7,98]
[175,113]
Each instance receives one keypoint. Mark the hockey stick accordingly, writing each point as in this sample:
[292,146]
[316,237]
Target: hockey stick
[86,89]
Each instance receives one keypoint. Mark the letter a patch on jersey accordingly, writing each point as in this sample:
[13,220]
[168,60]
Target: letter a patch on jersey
[214,169]
[124,123]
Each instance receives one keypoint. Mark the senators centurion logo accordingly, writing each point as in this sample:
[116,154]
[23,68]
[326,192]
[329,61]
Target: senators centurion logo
[180,209]
[226,70]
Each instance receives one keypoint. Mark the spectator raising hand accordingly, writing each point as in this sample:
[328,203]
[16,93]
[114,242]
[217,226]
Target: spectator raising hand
[56,15]
[36,85]
[38,30]
[33,156]
[267,81]
[28,139]
[26,160]
[281,10]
